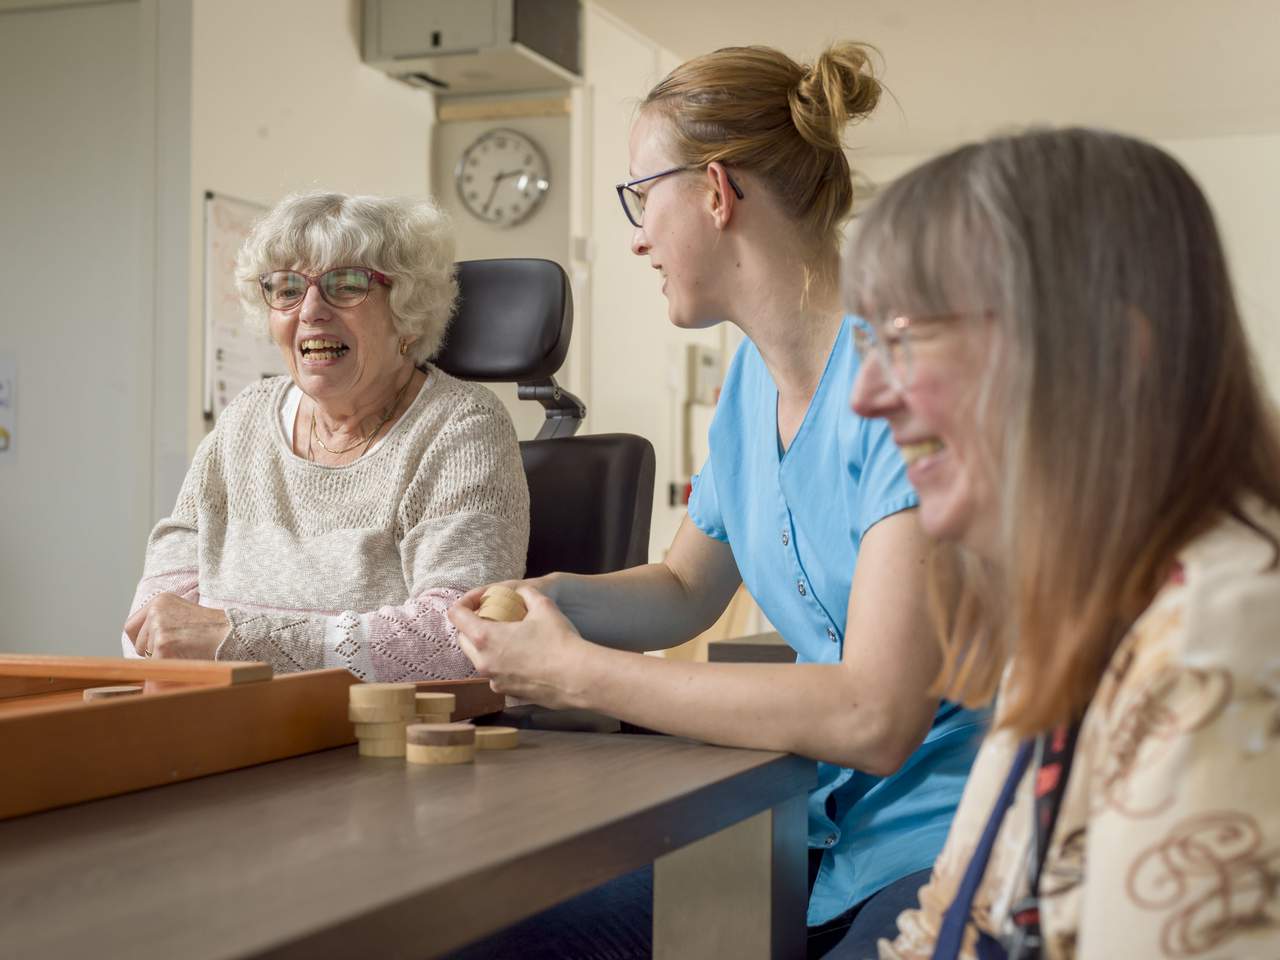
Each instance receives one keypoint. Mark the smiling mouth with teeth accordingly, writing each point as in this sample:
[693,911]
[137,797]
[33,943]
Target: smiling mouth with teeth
[911,452]
[316,349]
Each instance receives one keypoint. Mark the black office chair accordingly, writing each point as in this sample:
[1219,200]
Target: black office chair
[590,497]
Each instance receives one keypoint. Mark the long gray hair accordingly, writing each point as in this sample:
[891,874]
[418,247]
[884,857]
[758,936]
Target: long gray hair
[1129,412]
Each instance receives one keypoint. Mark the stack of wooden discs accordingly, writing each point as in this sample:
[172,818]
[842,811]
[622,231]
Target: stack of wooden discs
[440,743]
[384,715]
[381,712]
[435,707]
[501,603]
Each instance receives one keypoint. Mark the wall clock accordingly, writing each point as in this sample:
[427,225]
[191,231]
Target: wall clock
[502,177]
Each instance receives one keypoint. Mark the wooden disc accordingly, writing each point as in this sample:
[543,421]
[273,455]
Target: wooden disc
[403,712]
[440,734]
[434,718]
[499,592]
[382,748]
[381,694]
[435,703]
[106,693]
[501,603]
[381,731]
[420,753]
[497,738]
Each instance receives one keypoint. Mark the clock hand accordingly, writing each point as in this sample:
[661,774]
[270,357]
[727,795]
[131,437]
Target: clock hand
[497,179]
[492,190]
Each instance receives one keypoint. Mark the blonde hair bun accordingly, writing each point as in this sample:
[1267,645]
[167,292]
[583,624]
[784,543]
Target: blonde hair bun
[755,108]
[840,87]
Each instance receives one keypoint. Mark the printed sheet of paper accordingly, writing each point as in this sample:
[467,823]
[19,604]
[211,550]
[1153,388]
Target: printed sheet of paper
[234,356]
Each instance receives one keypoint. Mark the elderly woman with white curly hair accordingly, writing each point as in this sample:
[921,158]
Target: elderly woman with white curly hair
[333,515]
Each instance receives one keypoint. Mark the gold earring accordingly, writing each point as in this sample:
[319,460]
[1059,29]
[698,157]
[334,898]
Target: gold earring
[404,347]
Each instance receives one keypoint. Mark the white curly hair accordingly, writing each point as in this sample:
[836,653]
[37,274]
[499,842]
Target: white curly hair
[411,241]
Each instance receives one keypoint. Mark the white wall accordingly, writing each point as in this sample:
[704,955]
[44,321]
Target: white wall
[281,102]
[93,105]
[1239,176]
[636,361]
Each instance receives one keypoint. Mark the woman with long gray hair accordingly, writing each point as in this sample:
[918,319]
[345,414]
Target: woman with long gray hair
[1059,355]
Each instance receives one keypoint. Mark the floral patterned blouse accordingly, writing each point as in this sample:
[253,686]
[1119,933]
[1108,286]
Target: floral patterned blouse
[1167,843]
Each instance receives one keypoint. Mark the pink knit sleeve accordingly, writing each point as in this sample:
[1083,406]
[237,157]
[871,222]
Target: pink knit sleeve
[417,641]
[411,641]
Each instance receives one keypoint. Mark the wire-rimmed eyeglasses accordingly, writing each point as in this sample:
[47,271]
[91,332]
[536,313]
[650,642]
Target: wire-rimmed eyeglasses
[340,287]
[632,200]
[888,342]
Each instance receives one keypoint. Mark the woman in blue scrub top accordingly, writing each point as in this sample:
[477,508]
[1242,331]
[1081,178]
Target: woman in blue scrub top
[738,188]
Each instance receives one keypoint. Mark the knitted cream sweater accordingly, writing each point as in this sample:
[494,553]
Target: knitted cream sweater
[350,566]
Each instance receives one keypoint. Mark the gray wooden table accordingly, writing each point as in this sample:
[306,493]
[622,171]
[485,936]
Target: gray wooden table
[336,855]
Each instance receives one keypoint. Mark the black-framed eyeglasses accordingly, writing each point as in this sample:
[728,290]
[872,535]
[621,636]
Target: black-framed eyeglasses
[632,200]
[340,287]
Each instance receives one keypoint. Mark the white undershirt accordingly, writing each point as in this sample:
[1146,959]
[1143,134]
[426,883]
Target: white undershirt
[289,417]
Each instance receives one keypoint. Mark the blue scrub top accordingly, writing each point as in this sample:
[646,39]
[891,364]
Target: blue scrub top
[795,521]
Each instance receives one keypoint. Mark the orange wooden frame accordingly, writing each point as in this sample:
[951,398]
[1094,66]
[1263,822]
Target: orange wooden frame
[194,718]
[33,665]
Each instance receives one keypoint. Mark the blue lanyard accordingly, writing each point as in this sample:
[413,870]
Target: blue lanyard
[951,936]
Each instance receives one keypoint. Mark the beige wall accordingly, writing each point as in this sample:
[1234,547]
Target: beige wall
[281,102]
[1238,174]
[545,234]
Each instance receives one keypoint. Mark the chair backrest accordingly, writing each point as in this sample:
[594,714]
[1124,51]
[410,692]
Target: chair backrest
[591,500]
[513,322]
[590,497]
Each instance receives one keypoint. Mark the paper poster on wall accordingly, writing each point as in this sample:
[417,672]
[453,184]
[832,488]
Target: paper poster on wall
[234,355]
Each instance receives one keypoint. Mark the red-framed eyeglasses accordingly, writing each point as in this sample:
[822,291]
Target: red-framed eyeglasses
[340,287]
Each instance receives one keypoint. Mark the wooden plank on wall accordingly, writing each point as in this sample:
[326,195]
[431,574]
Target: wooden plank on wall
[511,109]
[23,6]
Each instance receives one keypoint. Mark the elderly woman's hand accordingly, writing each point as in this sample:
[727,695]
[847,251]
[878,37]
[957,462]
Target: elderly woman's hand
[170,627]
[537,659]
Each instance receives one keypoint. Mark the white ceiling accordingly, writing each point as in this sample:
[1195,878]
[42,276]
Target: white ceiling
[960,69]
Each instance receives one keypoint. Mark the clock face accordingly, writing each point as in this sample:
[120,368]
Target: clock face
[502,177]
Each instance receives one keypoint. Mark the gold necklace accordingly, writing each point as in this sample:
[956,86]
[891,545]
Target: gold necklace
[363,441]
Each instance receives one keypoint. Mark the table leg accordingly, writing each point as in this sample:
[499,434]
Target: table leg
[737,893]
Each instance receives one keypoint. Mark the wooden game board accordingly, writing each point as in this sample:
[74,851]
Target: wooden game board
[192,718]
